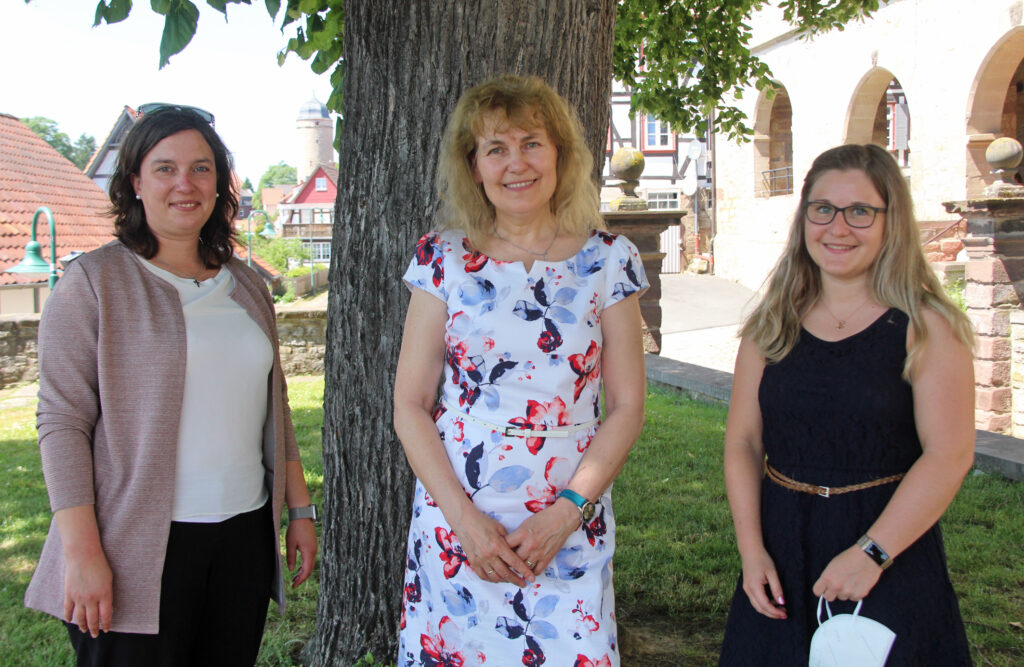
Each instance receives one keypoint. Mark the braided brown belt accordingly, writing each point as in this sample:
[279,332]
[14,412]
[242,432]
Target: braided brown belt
[825,491]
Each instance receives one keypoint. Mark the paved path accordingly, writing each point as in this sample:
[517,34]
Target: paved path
[700,317]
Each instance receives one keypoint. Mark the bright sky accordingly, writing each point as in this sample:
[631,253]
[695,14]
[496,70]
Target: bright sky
[54,64]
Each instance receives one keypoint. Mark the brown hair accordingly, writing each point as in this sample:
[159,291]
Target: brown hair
[130,225]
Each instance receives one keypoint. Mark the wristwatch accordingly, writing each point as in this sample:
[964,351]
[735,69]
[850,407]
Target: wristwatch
[307,512]
[586,507]
[874,552]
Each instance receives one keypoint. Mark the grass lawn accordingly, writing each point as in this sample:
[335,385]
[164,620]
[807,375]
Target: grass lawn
[675,568]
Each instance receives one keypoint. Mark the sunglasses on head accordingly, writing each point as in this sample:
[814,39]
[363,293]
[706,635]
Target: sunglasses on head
[151,108]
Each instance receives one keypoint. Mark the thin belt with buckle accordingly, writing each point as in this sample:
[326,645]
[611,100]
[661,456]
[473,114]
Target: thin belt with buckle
[512,431]
[826,491]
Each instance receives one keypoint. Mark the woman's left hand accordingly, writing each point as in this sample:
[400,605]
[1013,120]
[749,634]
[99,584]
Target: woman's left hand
[849,576]
[540,537]
[301,536]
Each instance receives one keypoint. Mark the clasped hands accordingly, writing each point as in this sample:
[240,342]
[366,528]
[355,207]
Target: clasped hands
[849,576]
[496,555]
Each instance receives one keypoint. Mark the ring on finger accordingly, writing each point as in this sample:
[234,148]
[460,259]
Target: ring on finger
[531,564]
[489,571]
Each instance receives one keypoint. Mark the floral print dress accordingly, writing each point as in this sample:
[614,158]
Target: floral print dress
[523,349]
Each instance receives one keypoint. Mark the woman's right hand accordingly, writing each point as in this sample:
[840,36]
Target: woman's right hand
[759,572]
[484,541]
[89,593]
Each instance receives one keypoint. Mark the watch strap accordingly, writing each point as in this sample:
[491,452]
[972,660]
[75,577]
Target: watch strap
[576,498]
[874,552]
[307,512]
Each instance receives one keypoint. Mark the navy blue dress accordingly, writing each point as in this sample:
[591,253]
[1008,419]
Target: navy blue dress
[839,413]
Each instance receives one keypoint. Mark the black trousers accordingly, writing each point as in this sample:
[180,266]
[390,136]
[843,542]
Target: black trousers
[216,584]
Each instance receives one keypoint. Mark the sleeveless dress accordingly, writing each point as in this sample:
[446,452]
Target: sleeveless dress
[523,349]
[839,413]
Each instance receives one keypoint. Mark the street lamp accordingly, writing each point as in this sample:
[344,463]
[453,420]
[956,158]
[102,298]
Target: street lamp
[34,262]
[267,232]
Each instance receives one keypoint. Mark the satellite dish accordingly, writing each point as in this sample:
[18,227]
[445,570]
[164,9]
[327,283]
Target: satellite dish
[689,184]
[695,149]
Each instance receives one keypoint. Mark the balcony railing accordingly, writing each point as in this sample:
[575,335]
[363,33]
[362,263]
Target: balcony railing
[777,181]
[302,231]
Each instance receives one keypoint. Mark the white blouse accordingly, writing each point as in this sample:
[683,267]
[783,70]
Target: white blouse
[219,471]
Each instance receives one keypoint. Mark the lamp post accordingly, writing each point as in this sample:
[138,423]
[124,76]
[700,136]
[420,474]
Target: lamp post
[34,262]
[267,232]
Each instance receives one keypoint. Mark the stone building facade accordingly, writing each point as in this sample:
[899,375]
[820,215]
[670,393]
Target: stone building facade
[936,81]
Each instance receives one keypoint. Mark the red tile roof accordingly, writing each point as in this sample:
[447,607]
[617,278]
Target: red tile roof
[33,174]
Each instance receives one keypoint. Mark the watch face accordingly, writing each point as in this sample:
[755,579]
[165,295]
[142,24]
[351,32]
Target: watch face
[588,509]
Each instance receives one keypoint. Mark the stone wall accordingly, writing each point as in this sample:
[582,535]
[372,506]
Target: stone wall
[303,336]
[18,349]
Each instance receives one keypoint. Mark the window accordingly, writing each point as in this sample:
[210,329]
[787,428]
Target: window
[321,184]
[319,251]
[662,200]
[656,136]
[322,216]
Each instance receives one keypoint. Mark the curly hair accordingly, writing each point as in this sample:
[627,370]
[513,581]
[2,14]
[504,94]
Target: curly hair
[525,103]
[900,276]
[130,226]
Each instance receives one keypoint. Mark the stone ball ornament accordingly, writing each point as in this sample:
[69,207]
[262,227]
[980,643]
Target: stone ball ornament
[628,163]
[1004,153]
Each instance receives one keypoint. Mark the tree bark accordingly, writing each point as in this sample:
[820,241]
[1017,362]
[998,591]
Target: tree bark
[407,62]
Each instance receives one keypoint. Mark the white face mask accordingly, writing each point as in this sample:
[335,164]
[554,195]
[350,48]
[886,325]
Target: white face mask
[849,640]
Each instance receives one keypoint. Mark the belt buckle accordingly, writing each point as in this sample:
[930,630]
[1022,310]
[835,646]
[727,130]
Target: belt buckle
[514,432]
[825,493]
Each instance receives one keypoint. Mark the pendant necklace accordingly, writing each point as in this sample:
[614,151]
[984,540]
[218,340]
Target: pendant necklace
[194,278]
[841,323]
[542,255]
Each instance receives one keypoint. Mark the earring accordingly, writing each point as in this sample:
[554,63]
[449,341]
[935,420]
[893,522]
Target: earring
[138,197]
[218,195]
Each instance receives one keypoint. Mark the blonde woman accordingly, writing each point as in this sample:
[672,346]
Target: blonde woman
[854,380]
[525,310]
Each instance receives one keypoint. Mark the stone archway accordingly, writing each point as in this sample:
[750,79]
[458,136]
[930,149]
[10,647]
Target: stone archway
[995,106]
[862,125]
[773,143]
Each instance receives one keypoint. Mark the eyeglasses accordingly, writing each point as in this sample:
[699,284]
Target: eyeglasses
[151,108]
[856,215]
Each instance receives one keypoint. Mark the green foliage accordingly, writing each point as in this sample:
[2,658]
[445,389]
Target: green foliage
[78,153]
[681,58]
[955,290]
[247,184]
[278,251]
[278,174]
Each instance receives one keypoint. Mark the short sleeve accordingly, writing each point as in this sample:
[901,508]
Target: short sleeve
[426,270]
[624,271]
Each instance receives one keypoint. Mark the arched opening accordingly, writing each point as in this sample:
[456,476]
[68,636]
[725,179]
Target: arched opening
[773,144]
[879,114]
[995,107]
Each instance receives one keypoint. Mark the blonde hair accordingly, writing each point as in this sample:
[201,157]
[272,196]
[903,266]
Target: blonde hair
[900,277]
[525,103]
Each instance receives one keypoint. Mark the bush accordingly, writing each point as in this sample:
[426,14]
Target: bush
[279,251]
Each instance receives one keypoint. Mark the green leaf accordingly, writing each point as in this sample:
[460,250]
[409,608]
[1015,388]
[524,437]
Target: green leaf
[113,12]
[161,7]
[273,7]
[179,27]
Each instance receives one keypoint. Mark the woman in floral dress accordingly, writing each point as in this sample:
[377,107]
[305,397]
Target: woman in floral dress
[526,310]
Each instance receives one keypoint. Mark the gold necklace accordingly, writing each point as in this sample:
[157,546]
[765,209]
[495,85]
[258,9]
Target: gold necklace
[542,255]
[841,323]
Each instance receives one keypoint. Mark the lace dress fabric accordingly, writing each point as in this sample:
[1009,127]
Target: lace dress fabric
[839,413]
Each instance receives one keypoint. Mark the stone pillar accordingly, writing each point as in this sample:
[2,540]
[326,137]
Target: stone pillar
[643,229]
[995,280]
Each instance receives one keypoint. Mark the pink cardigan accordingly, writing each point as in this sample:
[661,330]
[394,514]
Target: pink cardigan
[111,366]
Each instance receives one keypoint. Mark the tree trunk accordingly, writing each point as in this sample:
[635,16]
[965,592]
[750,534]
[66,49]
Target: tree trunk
[407,61]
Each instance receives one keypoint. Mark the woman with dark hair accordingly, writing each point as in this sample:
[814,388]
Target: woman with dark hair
[527,309]
[851,427]
[163,420]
